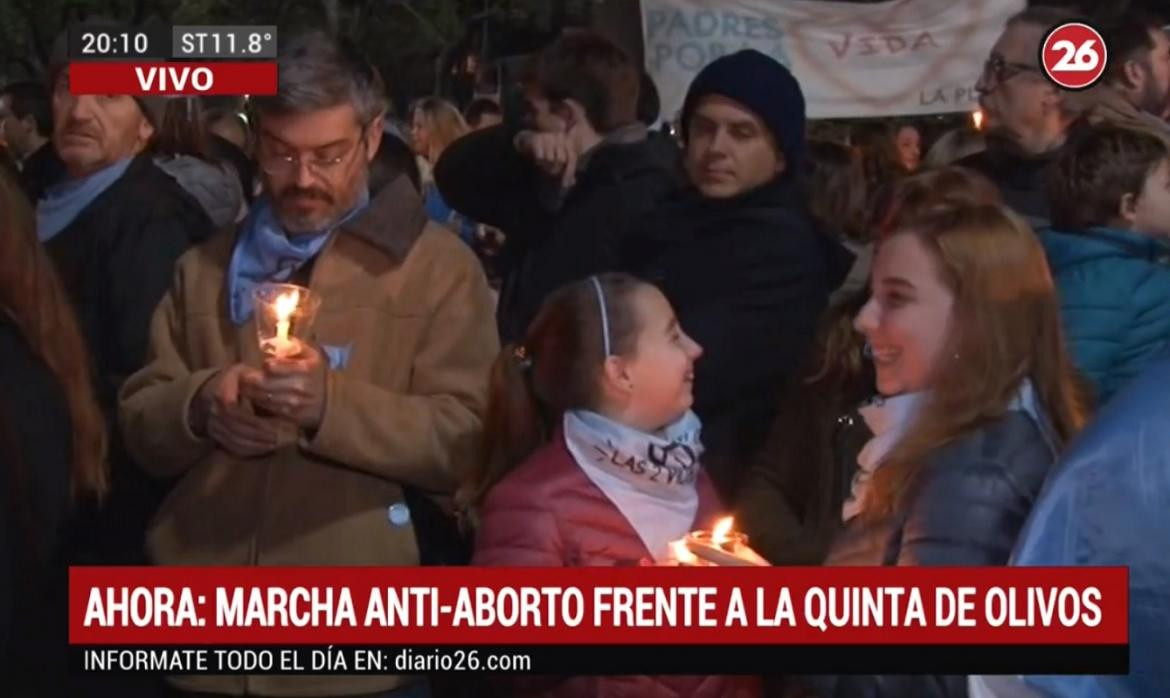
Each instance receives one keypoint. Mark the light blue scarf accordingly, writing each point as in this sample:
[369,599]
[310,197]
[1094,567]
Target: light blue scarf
[650,478]
[63,202]
[265,253]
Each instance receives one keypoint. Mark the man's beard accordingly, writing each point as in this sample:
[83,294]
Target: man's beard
[296,223]
[1154,100]
[1153,97]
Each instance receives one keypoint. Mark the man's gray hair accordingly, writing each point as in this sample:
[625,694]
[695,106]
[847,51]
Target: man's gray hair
[316,71]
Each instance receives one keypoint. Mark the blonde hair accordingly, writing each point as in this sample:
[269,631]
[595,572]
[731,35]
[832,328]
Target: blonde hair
[1006,329]
[444,125]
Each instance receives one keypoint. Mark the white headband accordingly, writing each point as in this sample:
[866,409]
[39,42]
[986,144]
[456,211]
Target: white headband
[604,315]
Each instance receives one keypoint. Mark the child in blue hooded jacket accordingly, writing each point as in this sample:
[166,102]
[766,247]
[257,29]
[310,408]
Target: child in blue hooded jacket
[1109,250]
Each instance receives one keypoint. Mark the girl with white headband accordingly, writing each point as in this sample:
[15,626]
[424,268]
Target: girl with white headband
[592,453]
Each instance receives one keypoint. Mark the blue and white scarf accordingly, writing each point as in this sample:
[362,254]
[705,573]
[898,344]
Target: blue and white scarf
[650,478]
[266,253]
[64,202]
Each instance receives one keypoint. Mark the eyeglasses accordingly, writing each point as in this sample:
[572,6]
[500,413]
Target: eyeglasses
[275,164]
[1001,70]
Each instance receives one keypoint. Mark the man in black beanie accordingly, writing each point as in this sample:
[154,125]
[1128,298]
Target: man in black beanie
[737,255]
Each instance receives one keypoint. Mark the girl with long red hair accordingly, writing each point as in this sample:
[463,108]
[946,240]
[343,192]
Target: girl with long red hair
[52,450]
[977,399]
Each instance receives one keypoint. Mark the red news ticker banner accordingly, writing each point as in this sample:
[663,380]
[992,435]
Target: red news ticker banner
[140,78]
[594,606]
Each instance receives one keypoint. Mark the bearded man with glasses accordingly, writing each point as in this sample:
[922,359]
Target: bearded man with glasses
[309,459]
[1028,118]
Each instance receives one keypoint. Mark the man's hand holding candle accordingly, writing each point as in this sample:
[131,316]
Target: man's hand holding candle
[217,413]
[292,387]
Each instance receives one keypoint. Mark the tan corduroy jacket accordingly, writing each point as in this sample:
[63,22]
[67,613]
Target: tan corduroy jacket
[1105,105]
[410,302]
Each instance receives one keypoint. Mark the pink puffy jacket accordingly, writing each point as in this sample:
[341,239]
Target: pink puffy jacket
[548,513]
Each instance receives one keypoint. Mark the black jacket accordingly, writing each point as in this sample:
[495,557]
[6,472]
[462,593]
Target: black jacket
[551,243]
[41,170]
[790,501]
[966,508]
[1022,178]
[35,456]
[749,278]
[117,261]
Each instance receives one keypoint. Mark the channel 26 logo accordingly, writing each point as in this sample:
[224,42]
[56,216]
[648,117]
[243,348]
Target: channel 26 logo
[1074,55]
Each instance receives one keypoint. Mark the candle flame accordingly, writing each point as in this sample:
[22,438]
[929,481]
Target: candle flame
[682,553]
[285,304]
[719,534]
[977,119]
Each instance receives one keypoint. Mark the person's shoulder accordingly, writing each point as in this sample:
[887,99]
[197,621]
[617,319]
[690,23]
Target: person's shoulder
[203,266]
[443,262]
[144,177]
[1012,447]
[655,156]
[396,242]
[146,196]
[547,476]
[1108,258]
[438,242]
[979,162]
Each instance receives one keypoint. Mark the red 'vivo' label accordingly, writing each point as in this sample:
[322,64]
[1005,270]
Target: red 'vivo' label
[173,78]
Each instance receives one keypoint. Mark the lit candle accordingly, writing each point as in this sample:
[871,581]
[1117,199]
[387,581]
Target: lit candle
[977,119]
[722,545]
[682,555]
[285,305]
[721,534]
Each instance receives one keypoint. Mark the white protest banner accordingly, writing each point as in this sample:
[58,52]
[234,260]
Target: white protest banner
[852,59]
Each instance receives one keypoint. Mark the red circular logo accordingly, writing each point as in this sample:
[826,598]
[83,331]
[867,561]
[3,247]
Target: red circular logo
[1074,56]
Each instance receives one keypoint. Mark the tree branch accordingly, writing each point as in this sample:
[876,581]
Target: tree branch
[26,10]
[423,21]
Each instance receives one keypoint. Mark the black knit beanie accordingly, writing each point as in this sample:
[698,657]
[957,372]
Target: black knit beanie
[764,86]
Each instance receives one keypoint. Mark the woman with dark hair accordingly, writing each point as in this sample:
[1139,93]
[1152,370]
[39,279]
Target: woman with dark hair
[52,449]
[183,149]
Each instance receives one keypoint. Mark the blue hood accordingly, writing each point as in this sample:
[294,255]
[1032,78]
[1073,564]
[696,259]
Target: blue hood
[1065,249]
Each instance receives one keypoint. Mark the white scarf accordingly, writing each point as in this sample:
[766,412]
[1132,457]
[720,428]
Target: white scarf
[650,478]
[888,419]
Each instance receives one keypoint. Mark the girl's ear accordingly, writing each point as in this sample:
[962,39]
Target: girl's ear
[1127,208]
[616,376]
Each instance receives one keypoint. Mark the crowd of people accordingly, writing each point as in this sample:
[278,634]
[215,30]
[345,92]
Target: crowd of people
[563,337]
